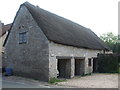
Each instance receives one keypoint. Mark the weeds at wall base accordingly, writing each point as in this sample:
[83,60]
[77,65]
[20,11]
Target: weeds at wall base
[55,80]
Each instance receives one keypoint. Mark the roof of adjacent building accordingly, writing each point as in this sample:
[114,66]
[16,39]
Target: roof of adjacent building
[64,31]
[5,28]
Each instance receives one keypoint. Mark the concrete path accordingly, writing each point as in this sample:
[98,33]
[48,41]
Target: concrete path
[93,81]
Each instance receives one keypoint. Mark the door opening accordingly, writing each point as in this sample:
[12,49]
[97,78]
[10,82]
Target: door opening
[95,65]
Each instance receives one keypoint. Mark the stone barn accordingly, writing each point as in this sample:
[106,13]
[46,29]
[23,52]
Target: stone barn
[43,45]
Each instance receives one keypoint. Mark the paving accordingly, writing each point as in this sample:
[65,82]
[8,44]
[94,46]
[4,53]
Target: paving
[20,82]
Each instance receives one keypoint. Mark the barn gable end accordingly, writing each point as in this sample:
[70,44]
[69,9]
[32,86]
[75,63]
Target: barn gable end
[29,59]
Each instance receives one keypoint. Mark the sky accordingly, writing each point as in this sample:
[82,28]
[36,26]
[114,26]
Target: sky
[101,16]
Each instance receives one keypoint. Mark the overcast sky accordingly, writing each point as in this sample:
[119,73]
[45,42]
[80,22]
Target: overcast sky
[100,16]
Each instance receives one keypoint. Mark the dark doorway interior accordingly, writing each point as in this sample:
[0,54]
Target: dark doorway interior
[64,68]
[95,65]
[79,66]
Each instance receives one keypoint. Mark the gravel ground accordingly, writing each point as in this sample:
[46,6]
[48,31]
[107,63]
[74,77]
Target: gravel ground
[93,81]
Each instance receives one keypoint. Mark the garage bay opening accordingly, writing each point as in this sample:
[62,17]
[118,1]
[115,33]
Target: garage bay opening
[64,68]
[79,66]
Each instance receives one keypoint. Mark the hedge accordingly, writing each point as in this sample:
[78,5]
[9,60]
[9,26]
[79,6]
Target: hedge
[108,63]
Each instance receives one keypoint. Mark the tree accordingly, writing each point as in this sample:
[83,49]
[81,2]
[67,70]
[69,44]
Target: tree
[111,40]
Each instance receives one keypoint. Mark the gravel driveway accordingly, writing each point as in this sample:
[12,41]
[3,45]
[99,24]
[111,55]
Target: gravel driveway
[93,81]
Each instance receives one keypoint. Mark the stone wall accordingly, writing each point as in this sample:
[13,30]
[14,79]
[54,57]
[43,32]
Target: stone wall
[69,51]
[30,59]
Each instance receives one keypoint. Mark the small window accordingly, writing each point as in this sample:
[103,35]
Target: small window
[89,62]
[22,37]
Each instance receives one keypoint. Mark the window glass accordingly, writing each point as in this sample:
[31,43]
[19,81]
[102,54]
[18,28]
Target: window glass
[22,37]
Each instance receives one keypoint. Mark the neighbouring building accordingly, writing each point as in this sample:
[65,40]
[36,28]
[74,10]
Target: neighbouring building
[3,33]
[0,47]
[43,45]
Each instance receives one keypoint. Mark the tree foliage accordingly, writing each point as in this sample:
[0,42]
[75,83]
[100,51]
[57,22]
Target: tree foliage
[109,38]
[112,41]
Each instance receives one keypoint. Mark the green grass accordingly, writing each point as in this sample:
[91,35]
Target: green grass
[86,74]
[55,80]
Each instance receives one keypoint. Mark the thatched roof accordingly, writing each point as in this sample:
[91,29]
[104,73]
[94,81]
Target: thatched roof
[64,31]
